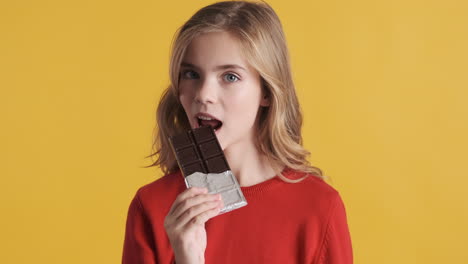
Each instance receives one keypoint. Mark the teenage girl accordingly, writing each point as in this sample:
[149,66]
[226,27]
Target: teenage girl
[230,69]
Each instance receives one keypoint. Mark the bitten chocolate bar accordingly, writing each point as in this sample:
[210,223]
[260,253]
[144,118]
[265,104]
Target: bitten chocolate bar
[203,164]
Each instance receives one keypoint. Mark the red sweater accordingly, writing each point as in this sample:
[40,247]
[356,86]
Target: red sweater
[283,222]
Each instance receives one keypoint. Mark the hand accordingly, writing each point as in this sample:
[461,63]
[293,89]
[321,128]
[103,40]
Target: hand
[185,223]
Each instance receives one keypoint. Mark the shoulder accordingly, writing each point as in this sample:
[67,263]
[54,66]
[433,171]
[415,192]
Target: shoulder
[311,183]
[314,192]
[162,191]
[165,183]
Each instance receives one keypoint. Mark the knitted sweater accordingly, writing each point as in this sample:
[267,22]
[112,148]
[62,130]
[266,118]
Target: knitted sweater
[283,222]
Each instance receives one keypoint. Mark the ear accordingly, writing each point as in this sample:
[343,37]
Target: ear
[265,101]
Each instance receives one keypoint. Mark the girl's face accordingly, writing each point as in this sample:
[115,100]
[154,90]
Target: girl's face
[217,82]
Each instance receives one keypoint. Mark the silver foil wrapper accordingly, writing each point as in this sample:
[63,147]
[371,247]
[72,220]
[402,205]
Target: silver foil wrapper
[224,183]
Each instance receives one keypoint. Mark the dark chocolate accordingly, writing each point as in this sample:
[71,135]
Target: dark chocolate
[198,150]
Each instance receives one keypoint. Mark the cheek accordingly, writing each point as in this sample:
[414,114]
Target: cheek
[243,107]
[185,101]
[185,89]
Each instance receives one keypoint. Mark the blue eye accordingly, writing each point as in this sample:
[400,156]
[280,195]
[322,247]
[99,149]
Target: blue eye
[231,77]
[189,74]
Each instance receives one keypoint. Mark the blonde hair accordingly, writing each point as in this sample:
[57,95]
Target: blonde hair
[260,34]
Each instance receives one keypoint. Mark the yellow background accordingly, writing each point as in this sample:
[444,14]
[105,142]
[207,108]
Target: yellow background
[383,87]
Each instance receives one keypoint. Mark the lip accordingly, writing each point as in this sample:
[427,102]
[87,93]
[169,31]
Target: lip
[208,115]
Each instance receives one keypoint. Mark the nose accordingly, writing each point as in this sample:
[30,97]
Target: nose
[206,92]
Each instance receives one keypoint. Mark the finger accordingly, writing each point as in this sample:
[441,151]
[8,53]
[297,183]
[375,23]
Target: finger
[170,219]
[198,214]
[183,197]
[203,217]
[190,192]
[194,201]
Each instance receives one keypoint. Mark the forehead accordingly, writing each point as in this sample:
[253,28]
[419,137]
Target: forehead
[215,48]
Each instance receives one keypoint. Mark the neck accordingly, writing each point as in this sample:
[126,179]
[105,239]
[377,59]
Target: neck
[247,164]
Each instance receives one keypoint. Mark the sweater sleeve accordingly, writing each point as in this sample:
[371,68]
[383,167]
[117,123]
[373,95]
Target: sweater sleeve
[138,243]
[336,247]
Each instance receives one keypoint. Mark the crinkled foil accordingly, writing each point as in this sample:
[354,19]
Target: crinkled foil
[224,183]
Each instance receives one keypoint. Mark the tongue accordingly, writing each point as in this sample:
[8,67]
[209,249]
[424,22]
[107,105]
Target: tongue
[212,123]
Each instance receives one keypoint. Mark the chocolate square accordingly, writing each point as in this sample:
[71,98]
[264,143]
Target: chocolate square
[198,150]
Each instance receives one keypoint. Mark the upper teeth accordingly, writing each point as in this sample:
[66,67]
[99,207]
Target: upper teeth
[205,118]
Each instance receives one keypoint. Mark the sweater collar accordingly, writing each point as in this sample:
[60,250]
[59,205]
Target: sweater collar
[264,186]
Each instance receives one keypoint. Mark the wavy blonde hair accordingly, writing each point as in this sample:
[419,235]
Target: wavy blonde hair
[260,34]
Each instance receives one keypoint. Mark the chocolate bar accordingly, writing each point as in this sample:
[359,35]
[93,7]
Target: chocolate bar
[198,150]
[203,164]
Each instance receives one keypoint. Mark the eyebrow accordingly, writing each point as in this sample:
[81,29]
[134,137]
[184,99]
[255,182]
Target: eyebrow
[220,67]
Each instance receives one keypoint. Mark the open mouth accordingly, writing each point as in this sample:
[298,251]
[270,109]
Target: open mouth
[214,123]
